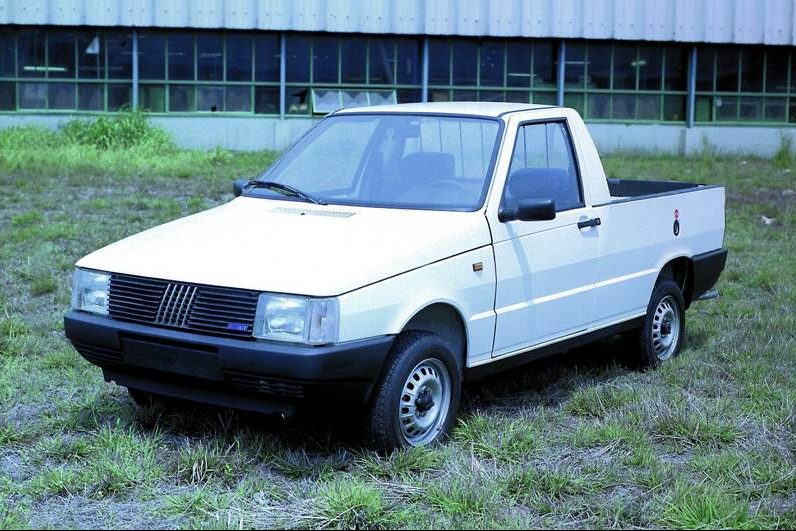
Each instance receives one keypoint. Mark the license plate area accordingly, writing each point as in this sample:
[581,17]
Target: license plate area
[171,358]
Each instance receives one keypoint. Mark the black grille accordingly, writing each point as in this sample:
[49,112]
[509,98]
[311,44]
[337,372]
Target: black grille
[205,309]
[255,383]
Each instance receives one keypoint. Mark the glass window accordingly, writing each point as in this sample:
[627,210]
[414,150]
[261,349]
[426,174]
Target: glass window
[119,97]
[210,57]
[266,100]
[491,95]
[152,98]
[325,60]
[31,56]
[354,98]
[625,63]
[408,96]
[465,62]
[90,97]
[382,61]
[623,107]
[325,100]
[545,98]
[7,63]
[120,56]
[298,59]
[8,100]
[61,56]
[181,56]
[543,167]
[726,108]
[151,56]
[439,67]
[465,95]
[402,161]
[492,57]
[91,56]
[648,107]
[239,58]
[32,95]
[353,58]
[775,109]
[674,108]
[181,98]
[408,62]
[518,96]
[676,74]
[650,67]
[266,56]
[238,99]
[545,59]
[61,96]
[518,64]
[705,65]
[777,70]
[727,70]
[750,108]
[209,98]
[599,106]
[599,67]
[574,69]
[752,62]
[298,100]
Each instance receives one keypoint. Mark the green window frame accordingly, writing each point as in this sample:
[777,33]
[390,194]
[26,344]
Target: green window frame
[44,86]
[443,85]
[745,85]
[603,81]
[344,83]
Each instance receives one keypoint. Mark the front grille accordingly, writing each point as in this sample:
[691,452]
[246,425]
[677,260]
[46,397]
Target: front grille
[205,309]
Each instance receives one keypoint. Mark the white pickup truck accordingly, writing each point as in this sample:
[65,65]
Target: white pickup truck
[393,253]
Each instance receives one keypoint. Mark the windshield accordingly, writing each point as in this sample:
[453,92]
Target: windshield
[392,160]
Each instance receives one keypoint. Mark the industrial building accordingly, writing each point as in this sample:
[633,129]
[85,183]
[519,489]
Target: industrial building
[658,75]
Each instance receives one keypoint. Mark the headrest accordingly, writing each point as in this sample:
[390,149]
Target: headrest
[537,182]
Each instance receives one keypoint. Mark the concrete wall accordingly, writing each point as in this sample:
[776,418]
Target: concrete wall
[245,133]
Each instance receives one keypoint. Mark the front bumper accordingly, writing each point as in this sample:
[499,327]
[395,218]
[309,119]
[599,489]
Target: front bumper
[257,376]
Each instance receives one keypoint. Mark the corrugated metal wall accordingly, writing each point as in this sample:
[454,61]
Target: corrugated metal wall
[720,21]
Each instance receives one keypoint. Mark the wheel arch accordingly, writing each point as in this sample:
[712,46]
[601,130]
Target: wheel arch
[445,320]
[681,270]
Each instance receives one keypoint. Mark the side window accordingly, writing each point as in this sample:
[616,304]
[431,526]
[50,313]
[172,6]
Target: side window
[543,167]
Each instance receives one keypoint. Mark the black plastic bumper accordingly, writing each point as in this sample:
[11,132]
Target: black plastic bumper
[252,375]
[707,268]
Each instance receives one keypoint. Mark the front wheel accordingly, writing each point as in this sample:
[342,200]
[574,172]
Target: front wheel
[416,400]
[661,337]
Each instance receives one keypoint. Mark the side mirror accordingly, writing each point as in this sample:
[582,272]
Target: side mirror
[529,210]
[238,185]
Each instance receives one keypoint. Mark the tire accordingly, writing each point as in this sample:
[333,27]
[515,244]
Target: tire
[417,397]
[661,337]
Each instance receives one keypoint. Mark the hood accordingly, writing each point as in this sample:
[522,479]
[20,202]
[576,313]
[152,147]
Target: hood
[289,247]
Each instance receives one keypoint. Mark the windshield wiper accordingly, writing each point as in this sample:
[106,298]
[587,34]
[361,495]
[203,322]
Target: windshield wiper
[287,190]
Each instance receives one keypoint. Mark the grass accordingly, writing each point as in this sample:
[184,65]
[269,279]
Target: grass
[706,441]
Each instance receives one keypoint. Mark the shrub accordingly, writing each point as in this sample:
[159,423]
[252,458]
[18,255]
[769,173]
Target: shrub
[118,131]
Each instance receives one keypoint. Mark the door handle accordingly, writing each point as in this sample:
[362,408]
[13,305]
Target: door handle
[594,222]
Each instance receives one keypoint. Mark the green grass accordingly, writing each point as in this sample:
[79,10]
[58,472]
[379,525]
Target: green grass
[706,441]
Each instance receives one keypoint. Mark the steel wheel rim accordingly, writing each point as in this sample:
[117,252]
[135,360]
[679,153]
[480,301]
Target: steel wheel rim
[666,328]
[424,403]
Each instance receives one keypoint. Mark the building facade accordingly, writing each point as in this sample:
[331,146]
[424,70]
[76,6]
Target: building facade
[657,75]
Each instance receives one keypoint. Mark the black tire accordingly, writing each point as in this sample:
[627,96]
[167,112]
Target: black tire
[643,346]
[384,424]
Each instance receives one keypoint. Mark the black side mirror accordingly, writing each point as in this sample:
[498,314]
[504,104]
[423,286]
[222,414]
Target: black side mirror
[238,185]
[529,210]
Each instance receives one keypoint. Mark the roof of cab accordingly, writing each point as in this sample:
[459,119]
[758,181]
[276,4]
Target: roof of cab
[480,108]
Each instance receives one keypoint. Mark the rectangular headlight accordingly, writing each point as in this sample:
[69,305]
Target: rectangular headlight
[297,319]
[90,291]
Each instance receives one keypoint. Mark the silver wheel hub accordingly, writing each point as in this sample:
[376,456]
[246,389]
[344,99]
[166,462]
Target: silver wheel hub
[666,328]
[424,404]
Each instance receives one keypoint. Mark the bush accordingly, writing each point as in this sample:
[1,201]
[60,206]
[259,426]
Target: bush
[119,131]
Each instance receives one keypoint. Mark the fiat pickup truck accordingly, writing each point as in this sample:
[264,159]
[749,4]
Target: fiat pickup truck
[393,253]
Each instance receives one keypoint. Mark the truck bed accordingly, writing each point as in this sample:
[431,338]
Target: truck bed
[630,190]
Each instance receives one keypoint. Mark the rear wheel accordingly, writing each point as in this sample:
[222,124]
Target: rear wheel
[416,400]
[661,337]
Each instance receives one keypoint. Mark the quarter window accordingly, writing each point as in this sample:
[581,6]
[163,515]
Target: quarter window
[543,167]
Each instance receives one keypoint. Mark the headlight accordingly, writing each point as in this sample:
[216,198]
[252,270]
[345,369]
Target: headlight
[90,291]
[297,319]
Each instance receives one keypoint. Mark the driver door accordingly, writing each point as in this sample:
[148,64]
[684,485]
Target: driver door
[546,270]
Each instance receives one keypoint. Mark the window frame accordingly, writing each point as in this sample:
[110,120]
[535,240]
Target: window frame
[570,143]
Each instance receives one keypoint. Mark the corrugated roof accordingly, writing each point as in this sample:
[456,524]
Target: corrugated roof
[719,21]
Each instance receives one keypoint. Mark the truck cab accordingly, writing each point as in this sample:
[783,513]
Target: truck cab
[393,253]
